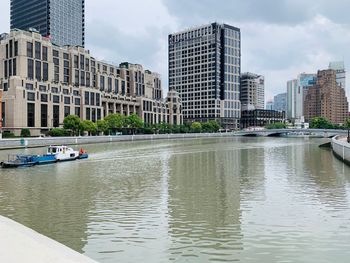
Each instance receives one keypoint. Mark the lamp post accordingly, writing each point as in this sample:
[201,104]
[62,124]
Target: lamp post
[348,135]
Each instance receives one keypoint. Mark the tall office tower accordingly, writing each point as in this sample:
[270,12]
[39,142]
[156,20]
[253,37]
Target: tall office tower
[61,20]
[270,105]
[339,68]
[205,67]
[326,99]
[280,102]
[296,91]
[252,93]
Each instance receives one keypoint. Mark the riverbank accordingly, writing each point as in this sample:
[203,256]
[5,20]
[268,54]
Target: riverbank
[21,244]
[6,144]
[341,148]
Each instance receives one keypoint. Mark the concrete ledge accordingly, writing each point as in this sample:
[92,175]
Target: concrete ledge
[41,142]
[21,244]
[341,148]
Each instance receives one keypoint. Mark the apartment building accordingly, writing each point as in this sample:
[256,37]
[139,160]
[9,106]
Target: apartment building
[205,68]
[252,93]
[43,83]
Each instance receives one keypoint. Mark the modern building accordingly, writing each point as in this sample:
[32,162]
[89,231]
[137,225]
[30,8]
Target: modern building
[339,68]
[280,102]
[326,99]
[43,83]
[261,118]
[252,93]
[296,90]
[205,68]
[63,21]
[269,105]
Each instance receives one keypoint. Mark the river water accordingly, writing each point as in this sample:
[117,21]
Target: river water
[201,200]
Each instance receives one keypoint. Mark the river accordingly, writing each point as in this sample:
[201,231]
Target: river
[198,200]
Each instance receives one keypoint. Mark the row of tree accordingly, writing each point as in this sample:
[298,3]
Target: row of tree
[117,123]
[322,123]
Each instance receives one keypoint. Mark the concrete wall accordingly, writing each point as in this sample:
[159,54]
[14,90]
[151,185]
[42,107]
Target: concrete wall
[341,148]
[40,142]
[21,244]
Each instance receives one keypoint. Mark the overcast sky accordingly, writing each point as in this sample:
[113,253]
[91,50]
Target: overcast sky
[280,38]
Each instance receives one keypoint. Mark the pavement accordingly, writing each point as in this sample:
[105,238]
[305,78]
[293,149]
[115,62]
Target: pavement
[20,244]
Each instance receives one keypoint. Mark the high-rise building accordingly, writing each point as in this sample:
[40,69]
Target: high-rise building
[252,93]
[269,105]
[339,68]
[205,68]
[326,99]
[280,102]
[296,90]
[43,83]
[63,21]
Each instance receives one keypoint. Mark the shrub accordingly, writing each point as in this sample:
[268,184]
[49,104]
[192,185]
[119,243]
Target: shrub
[196,127]
[8,135]
[25,133]
[58,132]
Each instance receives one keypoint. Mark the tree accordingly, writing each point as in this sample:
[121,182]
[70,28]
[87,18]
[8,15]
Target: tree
[347,124]
[320,123]
[207,127]
[196,127]
[133,122]
[102,126]
[115,121]
[215,126]
[276,125]
[25,133]
[72,122]
[88,126]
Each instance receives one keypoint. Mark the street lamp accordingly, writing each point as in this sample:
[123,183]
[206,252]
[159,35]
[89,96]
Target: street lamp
[348,135]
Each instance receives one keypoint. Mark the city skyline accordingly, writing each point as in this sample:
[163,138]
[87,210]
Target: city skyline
[306,36]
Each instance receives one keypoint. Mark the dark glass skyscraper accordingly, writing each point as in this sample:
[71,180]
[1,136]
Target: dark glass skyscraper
[205,67]
[62,20]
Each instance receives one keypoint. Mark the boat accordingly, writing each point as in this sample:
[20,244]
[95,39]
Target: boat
[54,154]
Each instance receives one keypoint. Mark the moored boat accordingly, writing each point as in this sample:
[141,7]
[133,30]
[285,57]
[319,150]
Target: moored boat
[54,154]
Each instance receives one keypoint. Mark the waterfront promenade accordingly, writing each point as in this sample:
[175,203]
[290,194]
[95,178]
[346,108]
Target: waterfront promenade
[21,244]
[341,148]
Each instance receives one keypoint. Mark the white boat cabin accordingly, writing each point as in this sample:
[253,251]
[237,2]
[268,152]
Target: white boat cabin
[63,153]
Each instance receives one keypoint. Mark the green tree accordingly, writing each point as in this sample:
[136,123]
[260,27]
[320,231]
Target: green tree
[72,122]
[196,127]
[207,127]
[89,127]
[215,126]
[276,125]
[347,123]
[115,122]
[25,133]
[102,126]
[133,122]
[320,123]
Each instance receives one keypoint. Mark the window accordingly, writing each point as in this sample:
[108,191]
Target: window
[31,115]
[82,62]
[98,99]
[87,98]
[37,50]
[82,78]
[93,115]
[43,97]
[76,58]
[98,114]
[29,86]
[66,100]
[55,99]
[38,70]
[16,48]
[77,111]
[5,69]
[45,71]
[5,86]
[54,90]
[31,96]
[116,86]
[92,99]
[43,115]
[77,101]
[88,114]
[109,84]
[29,49]
[45,53]
[65,56]
[66,111]
[102,83]
[30,69]
[56,116]
[76,77]
[14,65]
[76,92]
[55,53]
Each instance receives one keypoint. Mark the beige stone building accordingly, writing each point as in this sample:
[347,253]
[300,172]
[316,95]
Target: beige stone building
[42,83]
[326,99]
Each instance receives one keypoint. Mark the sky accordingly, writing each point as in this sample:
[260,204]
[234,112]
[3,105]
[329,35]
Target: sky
[280,38]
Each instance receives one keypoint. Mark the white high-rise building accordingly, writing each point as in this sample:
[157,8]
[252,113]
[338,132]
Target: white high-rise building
[252,92]
[339,68]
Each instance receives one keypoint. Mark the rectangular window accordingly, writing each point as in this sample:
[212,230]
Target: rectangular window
[98,99]
[116,86]
[77,111]
[29,86]
[16,48]
[14,65]
[43,115]
[42,88]
[77,101]
[82,78]
[88,117]
[98,114]
[67,100]
[55,99]
[92,99]
[5,69]
[65,56]
[30,114]
[45,71]
[76,77]
[82,62]
[87,98]
[76,92]
[38,70]
[30,96]
[88,82]
[93,115]
[109,84]
[54,90]
[43,97]
[37,50]
[55,53]
[66,111]
[45,53]
[3,114]
[76,62]
[102,83]
[56,116]
[29,49]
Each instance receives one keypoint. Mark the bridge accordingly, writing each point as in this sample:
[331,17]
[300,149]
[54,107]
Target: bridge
[292,132]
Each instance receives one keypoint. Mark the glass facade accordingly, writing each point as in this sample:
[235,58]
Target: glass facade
[62,20]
